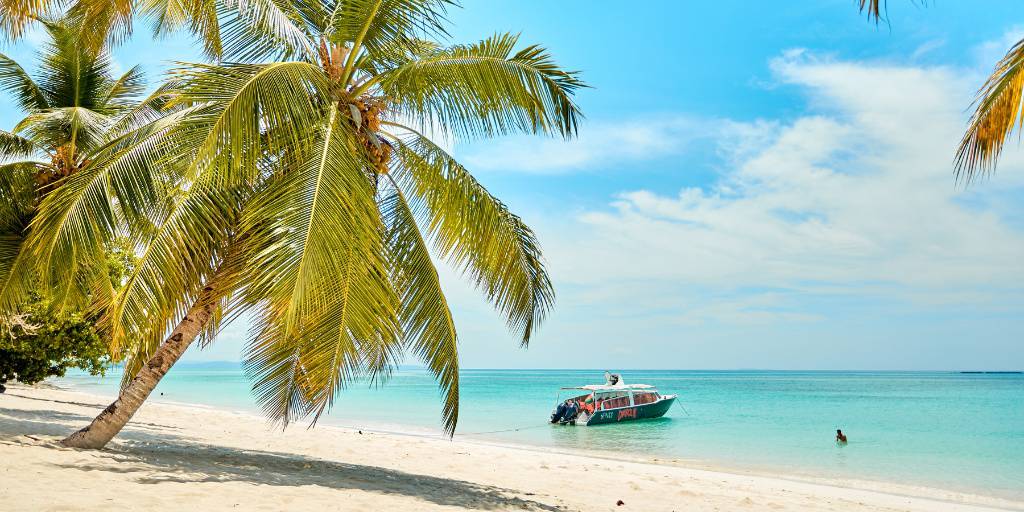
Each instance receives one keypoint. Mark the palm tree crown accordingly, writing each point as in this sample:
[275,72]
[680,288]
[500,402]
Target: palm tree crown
[297,185]
[72,107]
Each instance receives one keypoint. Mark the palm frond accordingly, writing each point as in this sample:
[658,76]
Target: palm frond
[199,16]
[17,15]
[477,233]
[255,30]
[15,146]
[484,90]
[173,266]
[71,72]
[327,308]
[427,325]
[214,257]
[83,213]
[247,101]
[26,92]
[84,128]
[17,195]
[16,279]
[998,112]
[99,22]
[380,28]
[127,90]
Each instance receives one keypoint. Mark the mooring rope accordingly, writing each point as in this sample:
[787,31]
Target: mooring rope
[680,404]
[516,429]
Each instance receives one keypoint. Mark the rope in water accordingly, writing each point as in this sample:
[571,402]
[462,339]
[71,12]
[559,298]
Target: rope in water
[680,404]
[527,427]
[516,429]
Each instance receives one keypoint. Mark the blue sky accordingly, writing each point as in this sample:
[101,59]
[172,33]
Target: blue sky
[756,185]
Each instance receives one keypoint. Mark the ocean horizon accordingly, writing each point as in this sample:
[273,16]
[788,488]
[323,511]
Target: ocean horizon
[958,430]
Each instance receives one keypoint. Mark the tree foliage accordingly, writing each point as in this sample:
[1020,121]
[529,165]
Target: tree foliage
[72,106]
[39,344]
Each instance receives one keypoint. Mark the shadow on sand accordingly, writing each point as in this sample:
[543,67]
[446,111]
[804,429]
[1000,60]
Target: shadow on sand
[149,449]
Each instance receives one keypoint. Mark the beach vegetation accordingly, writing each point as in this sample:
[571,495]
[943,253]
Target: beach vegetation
[37,344]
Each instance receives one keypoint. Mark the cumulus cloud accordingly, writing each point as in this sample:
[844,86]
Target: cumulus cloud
[857,198]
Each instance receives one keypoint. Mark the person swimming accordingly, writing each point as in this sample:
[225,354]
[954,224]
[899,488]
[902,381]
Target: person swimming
[840,436]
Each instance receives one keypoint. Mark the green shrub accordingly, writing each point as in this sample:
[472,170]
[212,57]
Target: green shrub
[38,344]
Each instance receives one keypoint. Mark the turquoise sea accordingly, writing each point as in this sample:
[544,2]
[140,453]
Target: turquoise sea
[950,430]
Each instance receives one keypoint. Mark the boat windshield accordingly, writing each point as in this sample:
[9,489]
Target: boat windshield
[602,398]
[645,397]
[617,399]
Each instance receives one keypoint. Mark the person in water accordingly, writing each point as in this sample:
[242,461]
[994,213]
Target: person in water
[840,436]
[570,410]
[559,412]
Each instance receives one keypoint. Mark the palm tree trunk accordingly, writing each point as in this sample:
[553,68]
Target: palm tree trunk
[109,422]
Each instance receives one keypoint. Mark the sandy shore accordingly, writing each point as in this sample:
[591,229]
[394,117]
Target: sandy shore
[175,457]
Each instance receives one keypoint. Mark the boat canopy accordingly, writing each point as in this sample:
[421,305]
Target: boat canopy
[606,387]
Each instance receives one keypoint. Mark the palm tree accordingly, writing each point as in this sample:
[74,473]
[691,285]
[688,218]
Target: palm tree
[298,186]
[75,109]
[998,110]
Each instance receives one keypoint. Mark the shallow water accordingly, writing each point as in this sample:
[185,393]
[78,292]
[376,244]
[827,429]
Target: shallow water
[949,430]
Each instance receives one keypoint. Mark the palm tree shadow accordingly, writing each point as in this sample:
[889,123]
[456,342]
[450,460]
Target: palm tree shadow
[174,462]
[158,456]
[57,423]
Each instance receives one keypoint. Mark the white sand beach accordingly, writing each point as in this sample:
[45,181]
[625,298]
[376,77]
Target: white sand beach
[177,457]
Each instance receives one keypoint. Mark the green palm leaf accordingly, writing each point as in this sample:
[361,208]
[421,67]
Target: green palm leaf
[254,30]
[86,211]
[127,90]
[327,307]
[247,101]
[15,146]
[427,325]
[27,93]
[478,234]
[484,90]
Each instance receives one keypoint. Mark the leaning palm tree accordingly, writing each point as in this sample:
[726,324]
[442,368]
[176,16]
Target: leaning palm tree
[299,186]
[998,110]
[75,107]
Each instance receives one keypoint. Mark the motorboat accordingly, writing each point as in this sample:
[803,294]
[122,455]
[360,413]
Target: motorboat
[611,402]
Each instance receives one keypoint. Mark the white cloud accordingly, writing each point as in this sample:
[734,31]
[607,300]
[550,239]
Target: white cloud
[598,143]
[856,199]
